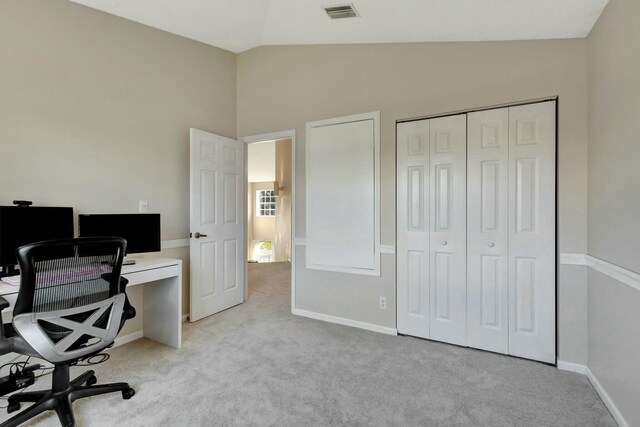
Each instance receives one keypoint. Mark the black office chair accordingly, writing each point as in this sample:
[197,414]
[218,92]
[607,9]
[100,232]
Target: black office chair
[71,305]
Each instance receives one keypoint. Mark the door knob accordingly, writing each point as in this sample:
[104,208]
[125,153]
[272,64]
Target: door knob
[491,244]
[444,243]
[199,235]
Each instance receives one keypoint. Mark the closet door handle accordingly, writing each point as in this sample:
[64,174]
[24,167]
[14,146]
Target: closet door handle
[491,244]
[198,235]
[444,243]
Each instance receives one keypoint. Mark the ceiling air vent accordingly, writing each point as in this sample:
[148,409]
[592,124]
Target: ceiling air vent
[338,12]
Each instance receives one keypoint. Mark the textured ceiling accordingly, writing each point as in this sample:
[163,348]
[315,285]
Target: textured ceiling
[238,25]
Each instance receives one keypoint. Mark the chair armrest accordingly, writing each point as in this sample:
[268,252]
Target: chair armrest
[129,310]
[3,304]
[123,283]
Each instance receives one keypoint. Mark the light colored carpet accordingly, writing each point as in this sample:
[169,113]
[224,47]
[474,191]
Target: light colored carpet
[258,365]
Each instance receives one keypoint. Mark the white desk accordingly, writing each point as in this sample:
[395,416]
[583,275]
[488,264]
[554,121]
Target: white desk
[162,306]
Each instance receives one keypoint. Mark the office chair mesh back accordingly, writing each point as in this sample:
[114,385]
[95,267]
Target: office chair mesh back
[70,302]
[67,283]
[71,282]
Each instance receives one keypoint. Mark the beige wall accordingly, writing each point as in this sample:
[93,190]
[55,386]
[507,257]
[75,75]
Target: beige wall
[614,202]
[614,342]
[261,161]
[95,112]
[614,142]
[282,248]
[282,88]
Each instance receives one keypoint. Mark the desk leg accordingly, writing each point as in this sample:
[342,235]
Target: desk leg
[162,311]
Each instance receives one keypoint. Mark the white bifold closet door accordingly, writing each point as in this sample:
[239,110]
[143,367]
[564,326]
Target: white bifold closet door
[532,231]
[412,301]
[511,231]
[431,300]
[476,230]
[487,230]
[448,229]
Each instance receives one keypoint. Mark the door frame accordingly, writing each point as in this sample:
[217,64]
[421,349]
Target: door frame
[285,134]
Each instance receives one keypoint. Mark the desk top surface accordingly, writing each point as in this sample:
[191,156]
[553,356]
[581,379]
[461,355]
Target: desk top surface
[142,264]
[150,263]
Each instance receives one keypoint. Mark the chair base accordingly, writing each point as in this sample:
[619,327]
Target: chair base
[61,396]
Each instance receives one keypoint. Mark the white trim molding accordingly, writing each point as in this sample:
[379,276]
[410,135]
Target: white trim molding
[387,249]
[178,243]
[622,275]
[573,259]
[384,249]
[125,339]
[615,412]
[345,322]
[572,367]
[584,370]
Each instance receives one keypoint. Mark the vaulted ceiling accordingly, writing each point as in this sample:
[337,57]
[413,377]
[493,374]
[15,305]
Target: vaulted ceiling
[238,25]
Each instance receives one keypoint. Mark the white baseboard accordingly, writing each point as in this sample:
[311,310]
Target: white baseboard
[615,412]
[584,370]
[124,339]
[572,367]
[345,322]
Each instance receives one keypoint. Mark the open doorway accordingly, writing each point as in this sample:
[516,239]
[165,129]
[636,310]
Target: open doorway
[275,260]
[269,201]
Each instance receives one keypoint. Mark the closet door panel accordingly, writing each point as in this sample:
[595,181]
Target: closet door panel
[413,228]
[487,230]
[532,249]
[447,251]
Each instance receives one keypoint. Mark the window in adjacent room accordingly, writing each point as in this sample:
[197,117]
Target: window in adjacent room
[265,203]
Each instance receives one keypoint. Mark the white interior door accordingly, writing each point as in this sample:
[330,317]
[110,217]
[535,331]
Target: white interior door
[413,228]
[448,224]
[532,250]
[487,230]
[217,209]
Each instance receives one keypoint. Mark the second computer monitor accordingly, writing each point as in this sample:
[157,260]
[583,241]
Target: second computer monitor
[141,231]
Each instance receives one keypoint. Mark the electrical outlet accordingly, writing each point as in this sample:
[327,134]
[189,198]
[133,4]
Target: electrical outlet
[383,303]
[143,206]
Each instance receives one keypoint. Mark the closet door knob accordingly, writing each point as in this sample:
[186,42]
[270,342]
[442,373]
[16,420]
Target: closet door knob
[491,244]
[444,243]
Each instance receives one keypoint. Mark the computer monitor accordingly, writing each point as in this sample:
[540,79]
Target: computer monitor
[22,225]
[141,231]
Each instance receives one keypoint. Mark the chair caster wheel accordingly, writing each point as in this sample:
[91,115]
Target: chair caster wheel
[128,394]
[92,380]
[13,408]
